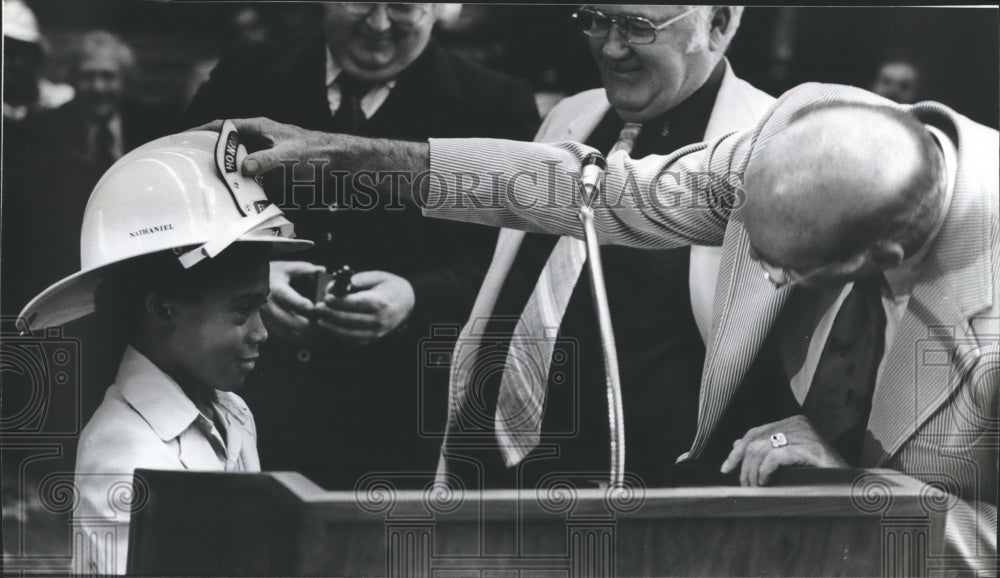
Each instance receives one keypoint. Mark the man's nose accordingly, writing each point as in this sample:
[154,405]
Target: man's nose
[615,47]
[378,18]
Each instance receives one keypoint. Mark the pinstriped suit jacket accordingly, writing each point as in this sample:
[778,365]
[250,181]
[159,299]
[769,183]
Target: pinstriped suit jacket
[935,411]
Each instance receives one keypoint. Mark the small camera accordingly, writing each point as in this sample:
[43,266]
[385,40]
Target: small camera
[341,281]
[315,284]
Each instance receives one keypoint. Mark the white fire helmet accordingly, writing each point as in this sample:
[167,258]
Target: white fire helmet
[182,192]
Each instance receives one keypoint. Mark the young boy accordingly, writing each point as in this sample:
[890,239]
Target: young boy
[175,253]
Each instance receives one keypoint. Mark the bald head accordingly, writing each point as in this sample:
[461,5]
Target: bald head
[843,182]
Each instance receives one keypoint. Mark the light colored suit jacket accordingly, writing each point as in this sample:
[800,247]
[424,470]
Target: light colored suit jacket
[935,409]
[738,106]
[145,421]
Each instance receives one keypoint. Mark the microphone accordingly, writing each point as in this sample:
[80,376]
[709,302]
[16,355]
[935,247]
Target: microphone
[592,176]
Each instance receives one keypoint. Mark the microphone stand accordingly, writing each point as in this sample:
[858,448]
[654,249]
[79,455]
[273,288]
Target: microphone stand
[616,419]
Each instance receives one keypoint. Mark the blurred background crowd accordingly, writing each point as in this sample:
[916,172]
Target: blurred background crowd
[135,65]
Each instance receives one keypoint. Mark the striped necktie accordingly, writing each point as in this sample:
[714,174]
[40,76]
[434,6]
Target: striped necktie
[523,387]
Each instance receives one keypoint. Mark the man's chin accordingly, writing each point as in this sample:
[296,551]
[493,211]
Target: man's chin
[374,68]
[632,114]
[628,108]
[100,113]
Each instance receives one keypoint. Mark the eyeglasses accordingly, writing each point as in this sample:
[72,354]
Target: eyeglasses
[782,277]
[634,29]
[778,276]
[399,13]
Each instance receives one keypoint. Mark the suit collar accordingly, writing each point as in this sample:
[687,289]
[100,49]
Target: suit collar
[585,122]
[434,67]
[936,341]
[962,249]
[734,105]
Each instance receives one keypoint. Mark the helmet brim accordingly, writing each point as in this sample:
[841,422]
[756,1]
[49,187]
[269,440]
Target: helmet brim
[73,297]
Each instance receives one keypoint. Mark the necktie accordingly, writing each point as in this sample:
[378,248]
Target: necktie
[840,397]
[521,400]
[104,153]
[349,116]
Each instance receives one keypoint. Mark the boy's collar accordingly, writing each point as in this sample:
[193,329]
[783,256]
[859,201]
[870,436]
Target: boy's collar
[155,395]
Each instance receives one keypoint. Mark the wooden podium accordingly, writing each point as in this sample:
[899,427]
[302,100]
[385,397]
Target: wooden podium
[822,523]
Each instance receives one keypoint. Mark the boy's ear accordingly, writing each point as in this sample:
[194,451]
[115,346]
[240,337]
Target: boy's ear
[158,308]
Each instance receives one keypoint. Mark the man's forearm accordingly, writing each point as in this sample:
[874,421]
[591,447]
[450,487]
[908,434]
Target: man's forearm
[410,160]
[278,145]
[400,167]
[659,202]
[654,203]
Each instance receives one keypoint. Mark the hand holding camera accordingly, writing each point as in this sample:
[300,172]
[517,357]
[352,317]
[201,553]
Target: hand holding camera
[290,308]
[377,303]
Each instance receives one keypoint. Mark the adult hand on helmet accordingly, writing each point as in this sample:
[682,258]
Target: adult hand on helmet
[288,314]
[274,143]
[382,303]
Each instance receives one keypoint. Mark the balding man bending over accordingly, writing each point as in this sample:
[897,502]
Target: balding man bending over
[861,248]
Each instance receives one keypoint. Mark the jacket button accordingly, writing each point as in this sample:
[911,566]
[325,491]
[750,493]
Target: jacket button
[304,355]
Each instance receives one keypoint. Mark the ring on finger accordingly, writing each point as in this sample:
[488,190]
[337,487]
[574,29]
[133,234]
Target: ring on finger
[778,440]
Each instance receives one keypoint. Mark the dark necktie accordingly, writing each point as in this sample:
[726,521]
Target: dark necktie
[104,153]
[840,397]
[350,117]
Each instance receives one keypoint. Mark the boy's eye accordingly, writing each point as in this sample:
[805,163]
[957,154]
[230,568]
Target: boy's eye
[246,310]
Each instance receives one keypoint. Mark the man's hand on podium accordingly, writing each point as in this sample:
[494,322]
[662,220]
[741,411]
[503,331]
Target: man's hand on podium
[789,442]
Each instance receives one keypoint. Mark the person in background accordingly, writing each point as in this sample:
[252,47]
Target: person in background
[70,148]
[898,79]
[26,94]
[666,79]
[25,50]
[341,392]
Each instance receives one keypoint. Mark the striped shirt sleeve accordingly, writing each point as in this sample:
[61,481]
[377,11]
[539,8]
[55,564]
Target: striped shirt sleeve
[657,202]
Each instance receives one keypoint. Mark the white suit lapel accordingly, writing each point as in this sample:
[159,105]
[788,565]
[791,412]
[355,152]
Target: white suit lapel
[935,345]
[931,351]
[747,305]
[738,106]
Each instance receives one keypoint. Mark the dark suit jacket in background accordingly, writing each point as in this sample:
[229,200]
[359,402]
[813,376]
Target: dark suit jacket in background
[337,412]
[47,180]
